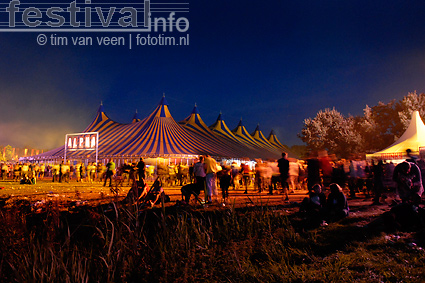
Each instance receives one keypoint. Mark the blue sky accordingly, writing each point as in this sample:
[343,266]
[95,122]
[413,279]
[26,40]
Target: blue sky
[272,63]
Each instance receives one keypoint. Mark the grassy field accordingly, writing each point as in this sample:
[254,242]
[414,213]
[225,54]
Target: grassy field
[82,233]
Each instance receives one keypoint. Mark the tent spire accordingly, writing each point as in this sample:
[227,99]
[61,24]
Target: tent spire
[163,101]
[101,109]
[219,116]
[136,117]
[195,109]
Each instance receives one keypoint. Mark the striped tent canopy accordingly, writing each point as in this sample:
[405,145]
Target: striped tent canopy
[195,123]
[220,128]
[275,142]
[258,136]
[110,132]
[159,135]
[163,136]
[242,134]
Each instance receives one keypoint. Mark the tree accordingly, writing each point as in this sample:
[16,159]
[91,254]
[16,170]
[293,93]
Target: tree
[331,131]
[385,123]
[411,102]
[377,129]
[378,126]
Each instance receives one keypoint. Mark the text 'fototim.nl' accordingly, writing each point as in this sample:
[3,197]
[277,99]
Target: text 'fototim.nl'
[155,23]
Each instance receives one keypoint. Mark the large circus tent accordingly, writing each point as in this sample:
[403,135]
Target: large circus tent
[160,136]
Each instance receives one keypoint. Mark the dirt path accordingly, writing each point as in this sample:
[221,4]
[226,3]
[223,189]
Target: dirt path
[75,193]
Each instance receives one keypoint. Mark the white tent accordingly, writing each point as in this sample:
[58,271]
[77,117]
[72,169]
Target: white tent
[413,139]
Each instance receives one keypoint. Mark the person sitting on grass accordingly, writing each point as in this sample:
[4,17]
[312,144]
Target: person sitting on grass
[408,178]
[145,196]
[155,192]
[336,204]
[28,181]
[137,192]
[406,215]
[312,207]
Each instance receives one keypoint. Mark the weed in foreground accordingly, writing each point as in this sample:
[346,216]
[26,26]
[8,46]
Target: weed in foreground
[123,244]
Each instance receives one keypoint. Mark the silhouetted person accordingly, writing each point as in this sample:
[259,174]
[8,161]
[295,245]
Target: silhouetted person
[378,181]
[225,182]
[110,167]
[336,203]
[283,165]
[408,177]
[312,207]
[141,169]
[313,172]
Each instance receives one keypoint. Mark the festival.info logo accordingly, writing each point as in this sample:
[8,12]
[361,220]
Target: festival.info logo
[92,16]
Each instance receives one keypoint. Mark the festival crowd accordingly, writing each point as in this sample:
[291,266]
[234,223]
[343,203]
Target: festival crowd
[284,176]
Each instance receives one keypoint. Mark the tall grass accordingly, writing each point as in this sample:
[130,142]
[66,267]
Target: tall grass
[123,244]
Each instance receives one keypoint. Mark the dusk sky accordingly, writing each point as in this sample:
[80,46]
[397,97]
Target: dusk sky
[272,63]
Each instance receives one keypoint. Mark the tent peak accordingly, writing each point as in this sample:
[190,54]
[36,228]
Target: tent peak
[100,109]
[163,101]
[219,117]
[136,117]
[195,110]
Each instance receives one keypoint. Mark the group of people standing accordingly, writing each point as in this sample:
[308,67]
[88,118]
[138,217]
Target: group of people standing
[128,172]
[175,174]
[19,171]
[208,173]
[205,174]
